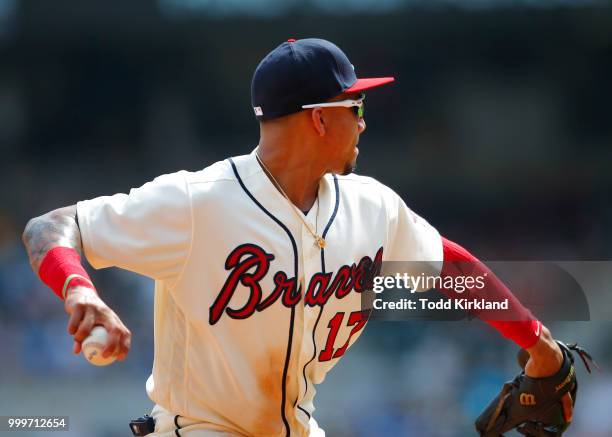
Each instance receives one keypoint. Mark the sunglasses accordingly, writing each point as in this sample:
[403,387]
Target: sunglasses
[356,105]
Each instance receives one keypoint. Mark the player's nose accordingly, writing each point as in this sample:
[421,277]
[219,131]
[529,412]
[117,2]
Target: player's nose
[361,124]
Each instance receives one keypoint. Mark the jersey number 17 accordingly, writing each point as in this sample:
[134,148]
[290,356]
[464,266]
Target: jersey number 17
[356,319]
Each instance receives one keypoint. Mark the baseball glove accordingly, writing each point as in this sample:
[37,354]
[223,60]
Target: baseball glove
[535,407]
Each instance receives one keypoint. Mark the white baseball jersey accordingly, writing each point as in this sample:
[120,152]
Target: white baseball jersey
[250,313]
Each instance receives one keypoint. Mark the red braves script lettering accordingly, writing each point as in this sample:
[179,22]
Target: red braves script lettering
[249,263]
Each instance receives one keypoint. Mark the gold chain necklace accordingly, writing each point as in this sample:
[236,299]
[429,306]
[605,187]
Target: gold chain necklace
[318,239]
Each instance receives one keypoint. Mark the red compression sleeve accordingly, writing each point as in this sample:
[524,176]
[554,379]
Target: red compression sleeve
[61,267]
[517,323]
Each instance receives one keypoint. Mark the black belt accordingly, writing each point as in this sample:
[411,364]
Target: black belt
[143,425]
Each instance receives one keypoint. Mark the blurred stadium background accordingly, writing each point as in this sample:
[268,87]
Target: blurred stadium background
[498,131]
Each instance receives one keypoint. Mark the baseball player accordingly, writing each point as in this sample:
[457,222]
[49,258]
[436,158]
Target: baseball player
[258,260]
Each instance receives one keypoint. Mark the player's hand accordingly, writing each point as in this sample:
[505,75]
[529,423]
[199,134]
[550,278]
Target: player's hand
[545,357]
[86,310]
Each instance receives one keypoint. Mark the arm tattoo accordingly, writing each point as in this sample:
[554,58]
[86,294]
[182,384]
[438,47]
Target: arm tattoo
[56,228]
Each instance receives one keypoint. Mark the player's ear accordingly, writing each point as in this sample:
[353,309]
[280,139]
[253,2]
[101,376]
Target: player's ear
[318,121]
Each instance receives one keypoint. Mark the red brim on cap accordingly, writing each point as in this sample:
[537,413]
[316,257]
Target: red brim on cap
[371,82]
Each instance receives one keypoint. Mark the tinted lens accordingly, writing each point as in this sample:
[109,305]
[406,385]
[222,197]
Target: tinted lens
[358,110]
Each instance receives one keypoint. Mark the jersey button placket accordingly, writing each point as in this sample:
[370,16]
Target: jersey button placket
[311,264]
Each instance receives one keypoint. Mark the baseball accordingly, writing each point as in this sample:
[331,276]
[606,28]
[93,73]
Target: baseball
[93,346]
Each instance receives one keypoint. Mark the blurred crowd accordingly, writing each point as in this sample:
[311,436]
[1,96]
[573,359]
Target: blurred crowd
[497,132]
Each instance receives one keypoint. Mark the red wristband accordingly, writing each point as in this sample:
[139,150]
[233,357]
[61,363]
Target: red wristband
[525,333]
[60,268]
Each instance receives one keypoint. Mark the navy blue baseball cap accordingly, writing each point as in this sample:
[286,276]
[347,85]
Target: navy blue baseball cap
[302,72]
